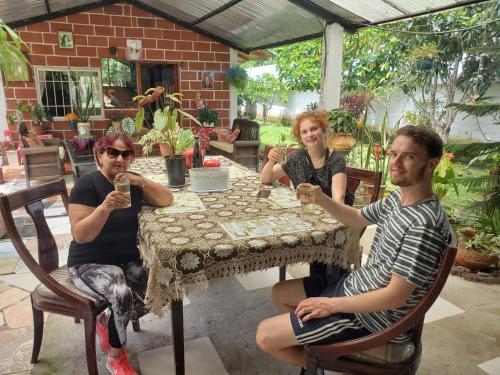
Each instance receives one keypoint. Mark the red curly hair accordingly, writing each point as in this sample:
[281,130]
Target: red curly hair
[318,117]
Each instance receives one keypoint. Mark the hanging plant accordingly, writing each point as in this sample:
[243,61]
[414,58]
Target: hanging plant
[236,77]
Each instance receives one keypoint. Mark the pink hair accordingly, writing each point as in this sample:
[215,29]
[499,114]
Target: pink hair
[108,140]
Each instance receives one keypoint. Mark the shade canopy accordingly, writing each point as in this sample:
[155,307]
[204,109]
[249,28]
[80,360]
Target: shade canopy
[246,25]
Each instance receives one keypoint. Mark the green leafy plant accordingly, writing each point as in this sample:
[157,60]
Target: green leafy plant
[237,77]
[128,126]
[485,243]
[444,176]
[40,115]
[84,108]
[165,127]
[13,63]
[204,115]
[341,121]
[213,116]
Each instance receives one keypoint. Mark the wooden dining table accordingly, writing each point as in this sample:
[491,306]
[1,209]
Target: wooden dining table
[228,233]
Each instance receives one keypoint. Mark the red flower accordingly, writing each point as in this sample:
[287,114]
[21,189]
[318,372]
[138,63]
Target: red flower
[376,150]
[449,155]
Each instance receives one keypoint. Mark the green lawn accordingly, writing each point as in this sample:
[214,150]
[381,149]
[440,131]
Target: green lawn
[270,134]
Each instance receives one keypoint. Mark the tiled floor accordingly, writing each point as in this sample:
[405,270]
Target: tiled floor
[459,313]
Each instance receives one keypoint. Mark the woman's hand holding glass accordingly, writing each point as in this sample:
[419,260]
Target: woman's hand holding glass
[115,200]
[274,155]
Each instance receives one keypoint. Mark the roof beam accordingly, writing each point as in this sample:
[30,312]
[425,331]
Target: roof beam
[216,11]
[50,15]
[324,14]
[169,17]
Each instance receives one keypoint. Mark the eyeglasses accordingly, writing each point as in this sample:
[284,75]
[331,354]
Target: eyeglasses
[113,153]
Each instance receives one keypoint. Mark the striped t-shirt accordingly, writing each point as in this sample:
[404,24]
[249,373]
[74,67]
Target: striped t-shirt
[409,242]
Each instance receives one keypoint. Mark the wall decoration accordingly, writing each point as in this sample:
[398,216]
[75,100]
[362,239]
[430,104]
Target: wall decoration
[65,39]
[134,49]
[207,80]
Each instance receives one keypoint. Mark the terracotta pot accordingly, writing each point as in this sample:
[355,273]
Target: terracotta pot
[341,141]
[474,260]
[37,129]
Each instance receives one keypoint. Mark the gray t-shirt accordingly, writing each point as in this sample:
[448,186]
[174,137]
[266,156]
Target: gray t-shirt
[409,242]
[300,170]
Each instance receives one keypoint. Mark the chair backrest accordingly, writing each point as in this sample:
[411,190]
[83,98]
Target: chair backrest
[31,200]
[356,175]
[414,319]
[249,129]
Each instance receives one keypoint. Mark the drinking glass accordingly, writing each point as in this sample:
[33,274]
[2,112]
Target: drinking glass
[281,148]
[306,198]
[123,185]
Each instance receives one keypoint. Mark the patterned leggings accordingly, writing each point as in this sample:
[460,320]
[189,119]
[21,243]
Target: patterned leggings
[123,287]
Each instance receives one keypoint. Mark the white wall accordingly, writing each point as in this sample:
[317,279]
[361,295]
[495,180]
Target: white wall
[3,109]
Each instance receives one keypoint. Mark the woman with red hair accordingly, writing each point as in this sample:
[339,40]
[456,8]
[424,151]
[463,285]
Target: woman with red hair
[103,256]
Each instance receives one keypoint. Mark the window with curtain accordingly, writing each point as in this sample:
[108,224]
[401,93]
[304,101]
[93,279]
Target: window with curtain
[59,90]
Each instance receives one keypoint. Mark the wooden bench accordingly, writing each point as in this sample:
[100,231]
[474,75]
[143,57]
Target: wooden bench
[245,150]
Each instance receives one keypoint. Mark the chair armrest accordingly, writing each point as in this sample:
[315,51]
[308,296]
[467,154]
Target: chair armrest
[246,143]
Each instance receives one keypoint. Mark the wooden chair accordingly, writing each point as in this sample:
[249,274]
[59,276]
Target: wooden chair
[374,354]
[245,150]
[42,162]
[55,293]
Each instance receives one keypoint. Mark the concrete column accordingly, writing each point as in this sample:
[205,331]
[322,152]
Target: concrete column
[3,109]
[331,73]
[233,101]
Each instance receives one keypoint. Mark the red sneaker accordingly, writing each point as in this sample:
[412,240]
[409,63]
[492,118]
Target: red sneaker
[102,331]
[120,365]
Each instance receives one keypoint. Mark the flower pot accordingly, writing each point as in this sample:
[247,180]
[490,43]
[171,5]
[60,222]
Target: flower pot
[473,260]
[176,170]
[73,125]
[343,142]
[84,128]
[37,129]
[12,157]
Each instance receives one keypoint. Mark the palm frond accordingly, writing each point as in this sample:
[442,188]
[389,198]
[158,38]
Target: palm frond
[480,108]
[480,183]
[473,148]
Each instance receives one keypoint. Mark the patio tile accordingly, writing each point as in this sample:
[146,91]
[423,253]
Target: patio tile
[19,315]
[15,350]
[22,268]
[26,281]
[8,265]
[55,222]
[200,355]
[12,296]
[7,249]
[62,229]
[4,287]
[491,367]
[442,309]
[260,279]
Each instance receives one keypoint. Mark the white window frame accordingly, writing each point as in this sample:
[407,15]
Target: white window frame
[68,70]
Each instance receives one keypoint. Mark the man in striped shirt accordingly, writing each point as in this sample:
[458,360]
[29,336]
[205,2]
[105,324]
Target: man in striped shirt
[412,234]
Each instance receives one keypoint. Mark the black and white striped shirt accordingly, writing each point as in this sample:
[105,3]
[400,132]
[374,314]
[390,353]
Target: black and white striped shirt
[409,242]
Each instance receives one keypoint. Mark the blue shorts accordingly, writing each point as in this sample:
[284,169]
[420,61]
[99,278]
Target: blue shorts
[334,328]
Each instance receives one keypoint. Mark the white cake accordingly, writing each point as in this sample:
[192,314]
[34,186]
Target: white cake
[209,179]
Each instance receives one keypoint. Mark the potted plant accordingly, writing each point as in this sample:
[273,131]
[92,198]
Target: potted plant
[166,130]
[237,77]
[477,251]
[84,109]
[204,116]
[213,117]
[39,119]
[341,126]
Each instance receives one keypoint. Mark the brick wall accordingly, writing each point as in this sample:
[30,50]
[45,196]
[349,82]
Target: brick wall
[96,30]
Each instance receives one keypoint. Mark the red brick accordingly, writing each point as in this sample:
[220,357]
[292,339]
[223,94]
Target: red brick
[100,19]
[195,85]
[224,112]
[153,33]
[189,95]
[60,26]
[86,51]
[122,53]
[37,59]
[78,18]
[189,35]
[131,32]
[212,66]
[113,9]
[126,10]
[190,56]
[165,44]
[104,30]
[196,65]
[117,42]
[173,55]
[184,46]
[184,85]
[84,29]
[97,10]
[39,27]
[203,38]
[154,54]
[79,61]
[222,57]
[188,76]
[202,46]
[217,47]
[103,52]
[207,94]
[224,66]
[25,93]
[57,61]
[50,38]
[221,94]
[100,41]
[65,51]
[164,24]
[179,27]
[60,125]
[224,122]
[171,34]
[121,21]
[42,49]
[80,40]
[94,62]
[145,22]
[119,32]
[31,37]
[207,56]
[149,43]
[9,92]
[220,76]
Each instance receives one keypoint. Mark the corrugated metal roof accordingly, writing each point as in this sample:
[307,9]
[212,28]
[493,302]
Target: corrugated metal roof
[244,24]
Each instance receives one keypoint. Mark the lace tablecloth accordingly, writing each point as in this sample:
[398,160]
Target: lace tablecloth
[184,251]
